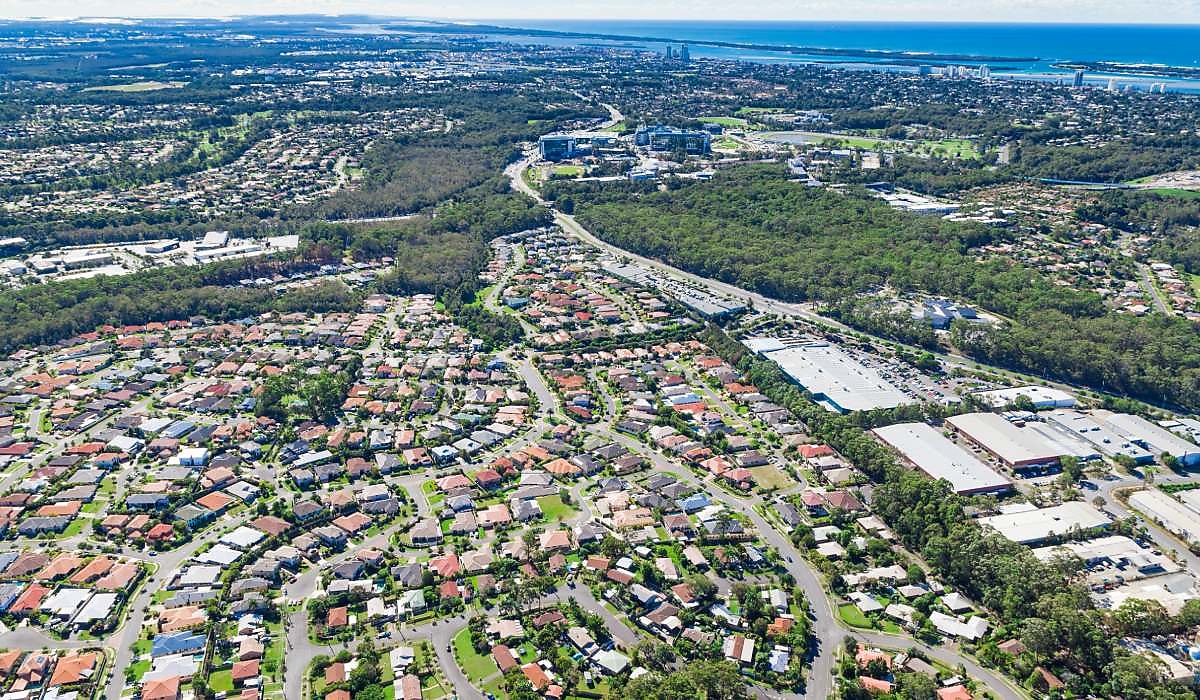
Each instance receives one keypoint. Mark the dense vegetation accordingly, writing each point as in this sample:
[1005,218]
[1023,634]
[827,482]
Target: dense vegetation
[1037,601]
[48,313]
[1173,222]
[752,228]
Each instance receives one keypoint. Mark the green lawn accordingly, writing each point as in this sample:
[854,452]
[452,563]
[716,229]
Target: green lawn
[735,122]
[138,669]
[569,170]
[1195,280]
[144,86]
[771,477]
[475,665]
[852,616]
[1173,192]
[220,681]
[554,508]
[726,144]
[950,148]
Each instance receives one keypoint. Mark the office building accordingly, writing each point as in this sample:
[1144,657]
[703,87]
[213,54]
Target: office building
[1078,82]
[557,147]
[684,54]
[665,139]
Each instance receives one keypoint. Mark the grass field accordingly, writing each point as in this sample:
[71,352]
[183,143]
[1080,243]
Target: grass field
[569,170]
[771,477]
[852,616]
[144,86]
[554,508]
[758,110]
[945,148]
[735,122]
[1174,192]
[726,143]
[475,665]
[950,148]
[1195,282]
[221,681]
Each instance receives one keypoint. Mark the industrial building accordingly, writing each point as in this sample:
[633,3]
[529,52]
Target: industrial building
[1041,397]
[1027,524]
[1103,437]
[1150,436]
[939,458]
[695,297]
[834,378]
[1017,448]
[1168,512]
[1112,559]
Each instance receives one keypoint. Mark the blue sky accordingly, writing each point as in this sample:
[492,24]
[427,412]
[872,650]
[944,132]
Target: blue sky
[1158,11]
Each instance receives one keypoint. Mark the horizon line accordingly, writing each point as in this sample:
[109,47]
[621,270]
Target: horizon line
[466,21]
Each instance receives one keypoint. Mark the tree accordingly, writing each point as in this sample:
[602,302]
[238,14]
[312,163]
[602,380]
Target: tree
[916,686]
[1142,618]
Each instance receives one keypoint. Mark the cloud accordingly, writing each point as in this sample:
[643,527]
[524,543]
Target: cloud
[1164,11]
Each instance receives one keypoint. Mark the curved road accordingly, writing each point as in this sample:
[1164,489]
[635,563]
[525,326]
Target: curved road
[828,630]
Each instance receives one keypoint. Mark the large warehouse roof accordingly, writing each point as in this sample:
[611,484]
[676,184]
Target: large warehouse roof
[1157,439]
[1041,396]
[940,458]
[831,374]
[1013,445]
[1173,515]
[1028,525]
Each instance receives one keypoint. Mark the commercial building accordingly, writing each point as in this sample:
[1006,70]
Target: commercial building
[1027,524]
[556,147]
[940,313]
[831,375]
[939,458]
[1099,435]
[1040,397]
[1017,448]
[664,139]
[1168,512]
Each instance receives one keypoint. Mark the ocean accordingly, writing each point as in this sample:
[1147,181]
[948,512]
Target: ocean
[1162,45]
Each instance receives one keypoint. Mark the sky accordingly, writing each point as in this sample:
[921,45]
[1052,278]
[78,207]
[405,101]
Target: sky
[1117,11]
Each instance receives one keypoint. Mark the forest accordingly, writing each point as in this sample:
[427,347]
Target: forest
[751,228]
[1033,600]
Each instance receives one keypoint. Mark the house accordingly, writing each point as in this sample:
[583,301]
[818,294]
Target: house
[738,649]
[161,689]
[74,668]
